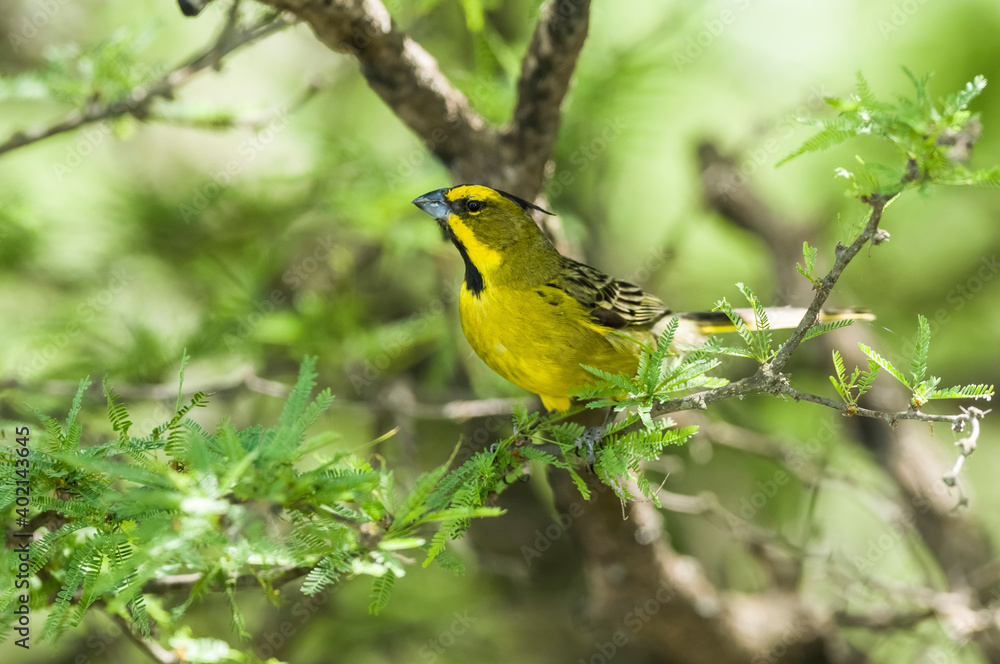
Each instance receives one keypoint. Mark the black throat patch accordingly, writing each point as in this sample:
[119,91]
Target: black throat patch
[473,277]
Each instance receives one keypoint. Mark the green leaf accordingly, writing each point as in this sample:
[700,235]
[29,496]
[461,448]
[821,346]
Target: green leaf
[381,590]
[867,377]
[809,257]
[884,363]
[965,392]
[918,366]
[865,95]
[738,323]
[960,100]
[823,328]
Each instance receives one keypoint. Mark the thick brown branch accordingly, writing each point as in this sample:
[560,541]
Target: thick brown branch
[545,78]
[404,75]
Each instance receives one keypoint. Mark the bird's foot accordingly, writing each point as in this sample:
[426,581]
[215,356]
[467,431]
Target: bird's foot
[587,441]
[527,431]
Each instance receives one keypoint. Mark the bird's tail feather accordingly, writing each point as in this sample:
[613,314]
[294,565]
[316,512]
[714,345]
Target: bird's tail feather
[701,323]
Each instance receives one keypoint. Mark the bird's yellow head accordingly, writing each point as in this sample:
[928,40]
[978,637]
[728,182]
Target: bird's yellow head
[483,224]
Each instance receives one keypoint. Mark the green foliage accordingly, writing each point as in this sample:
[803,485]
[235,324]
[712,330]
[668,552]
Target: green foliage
[808,270]
[933,139]
[851,388]
[823,328]
[757,340]
[181,500]
[620,458]
[922,387]
[106,72]
[662,375]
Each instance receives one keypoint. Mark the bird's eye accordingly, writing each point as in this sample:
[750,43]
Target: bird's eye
[475,206]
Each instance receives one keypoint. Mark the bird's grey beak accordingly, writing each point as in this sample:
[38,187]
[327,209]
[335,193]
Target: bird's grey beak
[435,204]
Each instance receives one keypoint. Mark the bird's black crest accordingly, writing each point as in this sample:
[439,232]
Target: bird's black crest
[525,205]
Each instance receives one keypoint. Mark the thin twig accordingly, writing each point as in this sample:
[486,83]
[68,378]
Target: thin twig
[151,647]
[883,621]
[966,446]
[890,417]
[137,102]
[824,287]
[184,582]
[242,377]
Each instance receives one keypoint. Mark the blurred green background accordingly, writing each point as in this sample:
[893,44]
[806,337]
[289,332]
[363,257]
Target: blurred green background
[124,243]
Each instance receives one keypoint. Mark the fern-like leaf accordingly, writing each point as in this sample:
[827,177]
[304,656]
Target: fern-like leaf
[381,590]
[918,366]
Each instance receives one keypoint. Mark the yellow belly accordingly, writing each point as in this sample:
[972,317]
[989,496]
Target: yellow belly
[538,338]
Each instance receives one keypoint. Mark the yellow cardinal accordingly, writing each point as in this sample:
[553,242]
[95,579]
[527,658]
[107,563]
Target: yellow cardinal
[534,316]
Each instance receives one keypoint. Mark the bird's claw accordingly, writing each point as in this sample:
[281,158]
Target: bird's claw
[588,440]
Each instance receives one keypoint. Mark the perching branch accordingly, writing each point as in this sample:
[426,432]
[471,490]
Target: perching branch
[139,100]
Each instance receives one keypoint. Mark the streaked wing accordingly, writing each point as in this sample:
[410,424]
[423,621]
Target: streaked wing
[613,303]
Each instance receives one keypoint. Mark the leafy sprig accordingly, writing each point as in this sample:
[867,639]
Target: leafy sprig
[923,388]
[933,138]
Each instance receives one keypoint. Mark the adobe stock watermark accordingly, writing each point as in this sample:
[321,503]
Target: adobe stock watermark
[89,139]
[878,546]
[34,20]
[959,296]
[293,278]
[100,639]
[52,344]
[544,539]
[302,611]
[414,159]
[437,646]
[712,29]
[374,368]
[776,652]
[585,155]
[248,150]
[755,158]
[380,24]
[632,623]
[797,459]
[900,15]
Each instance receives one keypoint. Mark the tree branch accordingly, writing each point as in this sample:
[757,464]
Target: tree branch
[184,582]
[403,74]
[546,73]
[138,101]
[151,647]
[843,256]
[957,541]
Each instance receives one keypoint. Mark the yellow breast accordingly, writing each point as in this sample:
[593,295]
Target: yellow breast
[537,338]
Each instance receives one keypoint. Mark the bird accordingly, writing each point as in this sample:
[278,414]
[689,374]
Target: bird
[535,316]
